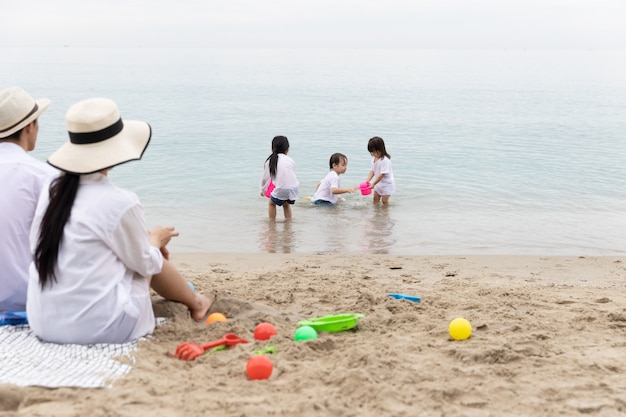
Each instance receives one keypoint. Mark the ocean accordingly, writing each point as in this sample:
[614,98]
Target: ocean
[517,152]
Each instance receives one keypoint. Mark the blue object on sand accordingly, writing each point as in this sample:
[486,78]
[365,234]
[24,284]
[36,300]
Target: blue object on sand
[13,318]
[412,298]
[193,288]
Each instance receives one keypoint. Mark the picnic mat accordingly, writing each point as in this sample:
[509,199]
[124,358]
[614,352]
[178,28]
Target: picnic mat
[27,361]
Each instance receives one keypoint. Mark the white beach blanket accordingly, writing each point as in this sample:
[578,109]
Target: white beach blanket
[27,361]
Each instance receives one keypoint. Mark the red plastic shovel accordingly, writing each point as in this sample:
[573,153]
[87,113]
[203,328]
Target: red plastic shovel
[189,351]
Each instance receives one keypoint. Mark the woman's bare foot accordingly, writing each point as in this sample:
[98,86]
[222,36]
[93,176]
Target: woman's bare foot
[201,307]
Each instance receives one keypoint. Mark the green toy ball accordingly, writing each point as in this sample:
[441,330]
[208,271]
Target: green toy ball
[305,333]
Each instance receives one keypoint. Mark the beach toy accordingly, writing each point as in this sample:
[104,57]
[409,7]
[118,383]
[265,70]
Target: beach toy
[215,349]
[334,323]
[13,318]
[263,331]
[304,333]
[193,288]
[365,188]
[215,317]
[270,188]
[259,367]
[271,349]
[189,351]
[460,329]
[412,298]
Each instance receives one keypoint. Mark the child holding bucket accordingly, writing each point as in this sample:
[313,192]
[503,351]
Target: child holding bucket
[280,170]
[380,175]
[327,190]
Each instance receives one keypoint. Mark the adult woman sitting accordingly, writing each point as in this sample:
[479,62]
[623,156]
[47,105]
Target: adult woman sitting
[94,261]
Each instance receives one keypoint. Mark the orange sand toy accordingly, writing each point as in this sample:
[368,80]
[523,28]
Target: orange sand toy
[215,317]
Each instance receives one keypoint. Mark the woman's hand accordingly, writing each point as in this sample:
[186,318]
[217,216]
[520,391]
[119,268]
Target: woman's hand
[160,236]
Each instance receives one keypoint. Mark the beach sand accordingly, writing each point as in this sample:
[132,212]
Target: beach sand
[549,339]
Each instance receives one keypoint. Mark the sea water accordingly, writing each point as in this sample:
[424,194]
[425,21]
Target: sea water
[494,152]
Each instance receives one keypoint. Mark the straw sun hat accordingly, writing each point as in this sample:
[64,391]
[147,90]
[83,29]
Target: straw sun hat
[99,139]
[17,109]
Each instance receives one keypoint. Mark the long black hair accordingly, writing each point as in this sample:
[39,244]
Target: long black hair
[280,144]
[62,195]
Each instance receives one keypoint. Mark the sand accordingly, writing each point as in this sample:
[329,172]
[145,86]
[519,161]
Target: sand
[549,339]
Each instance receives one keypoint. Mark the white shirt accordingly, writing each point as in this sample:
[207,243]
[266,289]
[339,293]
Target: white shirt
[286,182]
[387,184]
[101,294]
[22,178]
[325,190]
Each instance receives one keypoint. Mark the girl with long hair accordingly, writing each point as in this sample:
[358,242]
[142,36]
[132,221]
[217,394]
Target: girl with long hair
[280,170]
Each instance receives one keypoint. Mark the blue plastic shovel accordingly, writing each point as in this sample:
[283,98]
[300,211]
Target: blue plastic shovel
[13,318]
[412,298]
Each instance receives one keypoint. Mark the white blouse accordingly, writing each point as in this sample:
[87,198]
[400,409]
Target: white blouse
[325,190]
[387,185]
[101,294]
[22,178]
[286,182]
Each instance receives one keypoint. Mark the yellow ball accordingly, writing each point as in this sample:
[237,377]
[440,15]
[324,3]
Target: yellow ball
[460,329]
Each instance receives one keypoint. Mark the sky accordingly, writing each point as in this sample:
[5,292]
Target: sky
[426,24]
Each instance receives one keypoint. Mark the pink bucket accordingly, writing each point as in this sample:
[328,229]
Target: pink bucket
[365,188]
[270,188]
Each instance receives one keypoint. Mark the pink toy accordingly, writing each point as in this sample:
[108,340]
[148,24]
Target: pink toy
[365,188]
[270,188]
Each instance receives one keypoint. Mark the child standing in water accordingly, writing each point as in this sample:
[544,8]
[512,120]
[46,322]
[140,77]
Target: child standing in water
[383,182]
[327,190]
[281,170]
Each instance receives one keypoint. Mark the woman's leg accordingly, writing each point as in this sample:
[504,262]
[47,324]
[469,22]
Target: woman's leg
[171,285]
[385,200]
[376,197]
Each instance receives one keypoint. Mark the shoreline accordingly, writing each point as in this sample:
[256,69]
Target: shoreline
[510,264]
[548,338]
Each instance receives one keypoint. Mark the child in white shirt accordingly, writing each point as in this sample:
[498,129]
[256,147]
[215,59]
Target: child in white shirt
[280,170]
[383,182]
[328,190]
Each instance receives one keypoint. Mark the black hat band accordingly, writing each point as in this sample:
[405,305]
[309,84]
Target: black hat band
[97,136]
